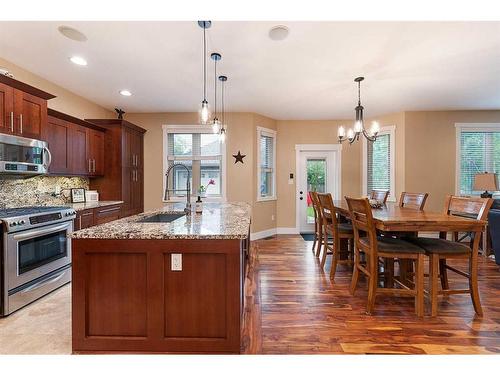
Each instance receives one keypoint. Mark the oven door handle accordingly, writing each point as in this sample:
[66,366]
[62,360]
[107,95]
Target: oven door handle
[38,232]
[41,283]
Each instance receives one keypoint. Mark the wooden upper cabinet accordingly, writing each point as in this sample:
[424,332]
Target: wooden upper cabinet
[23,109]
[6,109]
[96,152]
[59,137]
[31,115]
[80,144]
[77,145]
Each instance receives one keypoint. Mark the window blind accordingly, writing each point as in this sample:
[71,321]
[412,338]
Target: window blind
[479,152]
[266,166]
[379,163]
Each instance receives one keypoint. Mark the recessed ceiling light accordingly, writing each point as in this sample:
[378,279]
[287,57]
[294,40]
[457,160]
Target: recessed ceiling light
[279,32]
[72,33]
[125,93]
[78,60]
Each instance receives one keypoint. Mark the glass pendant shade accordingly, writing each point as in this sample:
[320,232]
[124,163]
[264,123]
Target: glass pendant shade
[216,125]
[204,112]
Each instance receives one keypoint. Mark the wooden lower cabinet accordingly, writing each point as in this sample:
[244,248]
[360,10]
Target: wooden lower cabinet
[106,214]
[126,298]
[84,219]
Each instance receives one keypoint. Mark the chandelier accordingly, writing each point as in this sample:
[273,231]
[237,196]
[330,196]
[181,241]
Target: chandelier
[359,126]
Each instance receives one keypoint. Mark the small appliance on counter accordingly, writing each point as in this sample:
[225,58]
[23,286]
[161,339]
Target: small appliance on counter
[35,253]
[91,196]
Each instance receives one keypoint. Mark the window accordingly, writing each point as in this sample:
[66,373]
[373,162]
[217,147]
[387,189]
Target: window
[266,164]
[378,163]
[202,153]
[478,151]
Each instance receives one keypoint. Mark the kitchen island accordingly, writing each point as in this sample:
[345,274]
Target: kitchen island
[161,282]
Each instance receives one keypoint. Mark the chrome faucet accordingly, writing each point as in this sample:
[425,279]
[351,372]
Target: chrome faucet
[187,210]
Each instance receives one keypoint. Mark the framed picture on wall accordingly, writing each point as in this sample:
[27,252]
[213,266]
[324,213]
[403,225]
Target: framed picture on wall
[78,195]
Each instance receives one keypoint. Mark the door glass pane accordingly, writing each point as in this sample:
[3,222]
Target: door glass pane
[210,177]
[316,181]
[38,251]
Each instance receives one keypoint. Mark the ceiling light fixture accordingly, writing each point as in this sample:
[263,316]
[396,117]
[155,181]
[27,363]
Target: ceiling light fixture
[125,93]
[204,110]
[78,60]
[222,131]
[279,32]
[359,126]
[215,122]
[72,33]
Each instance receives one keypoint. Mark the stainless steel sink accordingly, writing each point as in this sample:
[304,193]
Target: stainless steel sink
[161,218]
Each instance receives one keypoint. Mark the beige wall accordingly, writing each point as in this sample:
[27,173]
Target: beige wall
[430,146]
[291,133]
[65,100]
[241,178]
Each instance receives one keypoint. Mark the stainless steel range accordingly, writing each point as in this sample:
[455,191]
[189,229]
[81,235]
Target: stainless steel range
[36,253]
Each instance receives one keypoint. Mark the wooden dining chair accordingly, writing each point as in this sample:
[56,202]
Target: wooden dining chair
[318,224]
[375,247]
[413,200]
[379,195]
[337,231]
[440,250]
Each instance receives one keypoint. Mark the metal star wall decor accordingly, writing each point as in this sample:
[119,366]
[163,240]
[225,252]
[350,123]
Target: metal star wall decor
[238,158]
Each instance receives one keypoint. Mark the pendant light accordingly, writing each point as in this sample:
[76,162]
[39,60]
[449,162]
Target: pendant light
[222,131]
[204,110]
[215,122]
[359,126]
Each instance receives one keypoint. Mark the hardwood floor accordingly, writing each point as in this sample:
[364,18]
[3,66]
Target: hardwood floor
[293,307]
[299,310]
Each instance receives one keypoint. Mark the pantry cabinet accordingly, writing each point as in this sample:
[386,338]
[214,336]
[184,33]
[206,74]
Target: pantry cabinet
[124,177]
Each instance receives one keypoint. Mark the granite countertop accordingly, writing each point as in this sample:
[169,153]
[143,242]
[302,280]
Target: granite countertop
[89,205]
[218,221]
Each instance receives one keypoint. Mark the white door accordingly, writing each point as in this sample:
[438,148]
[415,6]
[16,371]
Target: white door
[318,171]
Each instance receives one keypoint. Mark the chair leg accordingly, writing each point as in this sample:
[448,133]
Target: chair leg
[372,285]
[419,286]
[389,273]
[320,243]
[473,286]
[314,243]
[444,274]
[434,269]
[355,274]
[325,250]
[335,258]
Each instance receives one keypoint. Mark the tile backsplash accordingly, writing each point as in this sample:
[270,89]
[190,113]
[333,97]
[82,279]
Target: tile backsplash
[37,191]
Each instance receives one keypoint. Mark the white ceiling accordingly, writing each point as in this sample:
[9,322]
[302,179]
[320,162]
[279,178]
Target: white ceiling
[309,75]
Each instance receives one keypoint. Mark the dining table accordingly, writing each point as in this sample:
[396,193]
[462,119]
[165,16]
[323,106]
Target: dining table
[390,217]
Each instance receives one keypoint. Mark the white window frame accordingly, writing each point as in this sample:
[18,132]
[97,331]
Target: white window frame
[468,127]
[391,130]
[268,133]
[189,129]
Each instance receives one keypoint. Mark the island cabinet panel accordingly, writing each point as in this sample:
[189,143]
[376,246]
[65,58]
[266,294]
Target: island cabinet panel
[126,297]
[204,306]
[117,287]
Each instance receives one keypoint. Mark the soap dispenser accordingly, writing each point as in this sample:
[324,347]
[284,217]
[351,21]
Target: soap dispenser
[199,206]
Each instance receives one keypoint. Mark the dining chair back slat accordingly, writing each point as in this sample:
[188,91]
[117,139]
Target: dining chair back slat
[413,200]
[379,195]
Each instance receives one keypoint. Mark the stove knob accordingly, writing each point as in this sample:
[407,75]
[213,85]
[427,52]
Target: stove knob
[13,224]
[21,222]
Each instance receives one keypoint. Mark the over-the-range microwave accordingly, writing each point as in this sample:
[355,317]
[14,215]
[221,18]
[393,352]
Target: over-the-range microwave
[19,155]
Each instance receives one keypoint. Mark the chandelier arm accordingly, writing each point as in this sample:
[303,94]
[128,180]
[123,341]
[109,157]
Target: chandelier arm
[371,138]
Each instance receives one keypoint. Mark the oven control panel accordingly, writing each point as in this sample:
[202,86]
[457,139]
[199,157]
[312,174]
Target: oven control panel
[30,221]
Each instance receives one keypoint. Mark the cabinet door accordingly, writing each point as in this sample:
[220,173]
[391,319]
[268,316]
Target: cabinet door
[6,109]
[136,149]
[127,182]
[96,152]
[31,114]
[84,219]
[79,151]
[137,191]
[127,140]
[59,138]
